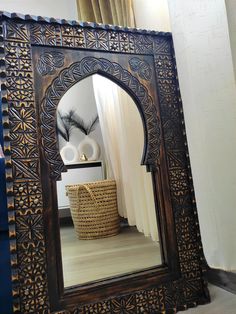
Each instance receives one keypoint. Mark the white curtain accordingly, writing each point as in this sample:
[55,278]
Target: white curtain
[123,138]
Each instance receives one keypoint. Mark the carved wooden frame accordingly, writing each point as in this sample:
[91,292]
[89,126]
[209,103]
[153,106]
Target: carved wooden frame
[179,283]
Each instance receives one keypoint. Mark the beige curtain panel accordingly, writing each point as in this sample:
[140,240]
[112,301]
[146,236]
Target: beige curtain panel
[115,12]
[120,124]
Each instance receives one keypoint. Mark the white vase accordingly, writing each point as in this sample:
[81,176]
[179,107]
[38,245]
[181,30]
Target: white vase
[89,147]
[69,153]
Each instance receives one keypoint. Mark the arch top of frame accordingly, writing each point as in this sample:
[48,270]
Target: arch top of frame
[43,31]
[33,18]
[75,73]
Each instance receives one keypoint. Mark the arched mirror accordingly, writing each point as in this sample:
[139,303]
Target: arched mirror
[111,228]
[101,204]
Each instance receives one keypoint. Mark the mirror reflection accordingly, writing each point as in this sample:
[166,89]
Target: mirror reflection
[106,206]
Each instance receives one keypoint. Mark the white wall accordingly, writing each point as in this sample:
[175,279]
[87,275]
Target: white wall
[63,9]
[152,14]
[80,98]
[205,70]
[231,13]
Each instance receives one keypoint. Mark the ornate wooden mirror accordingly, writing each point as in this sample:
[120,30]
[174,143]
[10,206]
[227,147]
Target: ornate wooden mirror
[41,60]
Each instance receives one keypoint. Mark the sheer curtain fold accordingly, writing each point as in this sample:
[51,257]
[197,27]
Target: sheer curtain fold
[115,12]
[123,137]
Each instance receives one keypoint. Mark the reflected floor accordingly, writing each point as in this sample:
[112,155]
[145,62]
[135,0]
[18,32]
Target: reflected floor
[89,260]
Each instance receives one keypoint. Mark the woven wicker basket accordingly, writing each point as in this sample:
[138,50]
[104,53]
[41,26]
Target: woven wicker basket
[94,209]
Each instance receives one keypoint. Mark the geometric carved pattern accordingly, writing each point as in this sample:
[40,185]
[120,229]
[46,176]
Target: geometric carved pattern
[22,120]
[183,201]
[143,44]
[165,299]
[97,39]
[17,32]
[121,42]
[29,273]
[24,190]
[27,169]
[51,32]
[73,74]
[79,37]
[30,228]
[43,34]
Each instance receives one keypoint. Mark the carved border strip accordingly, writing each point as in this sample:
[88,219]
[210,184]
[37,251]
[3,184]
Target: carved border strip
[90,25]
[28,253]
[190,248]
[84,38]
[89,38]
[27,240]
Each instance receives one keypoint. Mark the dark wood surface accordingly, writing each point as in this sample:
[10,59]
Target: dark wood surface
[143,63]
[124,284]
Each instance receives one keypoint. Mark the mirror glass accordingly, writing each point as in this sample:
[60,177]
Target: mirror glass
[106,206]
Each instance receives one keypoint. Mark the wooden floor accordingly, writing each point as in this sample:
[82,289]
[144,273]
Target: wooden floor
[85,261]
[89,260]
[222,302]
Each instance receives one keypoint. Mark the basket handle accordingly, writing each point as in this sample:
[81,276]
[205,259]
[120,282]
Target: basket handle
[91,194]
